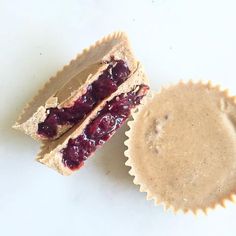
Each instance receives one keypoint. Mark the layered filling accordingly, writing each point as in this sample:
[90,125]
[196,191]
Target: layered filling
[114,75]
[102,127]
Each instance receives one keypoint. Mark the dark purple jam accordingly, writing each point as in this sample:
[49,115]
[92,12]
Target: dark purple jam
[101,128]
[114,75]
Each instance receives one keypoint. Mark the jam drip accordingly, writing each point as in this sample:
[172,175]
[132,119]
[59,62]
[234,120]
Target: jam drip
[102,127]
[114,75]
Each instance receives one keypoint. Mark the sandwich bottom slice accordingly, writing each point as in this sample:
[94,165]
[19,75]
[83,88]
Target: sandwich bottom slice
[69,152]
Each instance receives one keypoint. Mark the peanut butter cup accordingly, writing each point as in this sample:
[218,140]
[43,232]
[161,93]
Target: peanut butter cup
[182,147]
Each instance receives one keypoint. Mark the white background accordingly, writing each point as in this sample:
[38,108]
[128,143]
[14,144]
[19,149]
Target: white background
[174,39]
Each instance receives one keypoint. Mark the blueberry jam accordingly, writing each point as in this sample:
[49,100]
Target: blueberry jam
[102,127]
[114,75]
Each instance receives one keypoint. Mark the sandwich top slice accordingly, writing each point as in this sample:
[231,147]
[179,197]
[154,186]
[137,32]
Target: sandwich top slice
[68,98]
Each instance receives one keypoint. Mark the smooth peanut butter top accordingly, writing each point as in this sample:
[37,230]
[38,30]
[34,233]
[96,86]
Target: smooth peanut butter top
[182,146]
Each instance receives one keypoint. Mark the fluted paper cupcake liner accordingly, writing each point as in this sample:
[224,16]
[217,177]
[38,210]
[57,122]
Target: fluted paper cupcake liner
[150,195]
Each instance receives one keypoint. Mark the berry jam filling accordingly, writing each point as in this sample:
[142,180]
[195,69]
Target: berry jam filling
[114,75]
[102,127]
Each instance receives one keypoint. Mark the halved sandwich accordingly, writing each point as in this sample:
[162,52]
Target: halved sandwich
[80,108]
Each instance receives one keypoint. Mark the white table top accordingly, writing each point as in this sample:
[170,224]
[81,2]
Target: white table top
[174,39]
